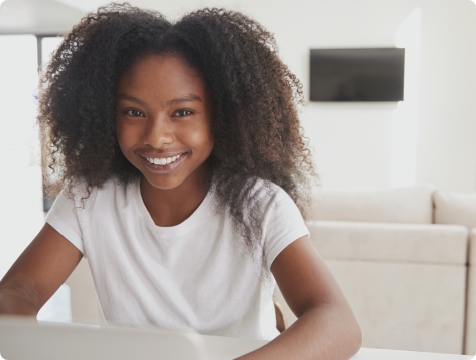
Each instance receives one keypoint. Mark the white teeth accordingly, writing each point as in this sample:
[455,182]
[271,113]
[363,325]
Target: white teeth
[163,161]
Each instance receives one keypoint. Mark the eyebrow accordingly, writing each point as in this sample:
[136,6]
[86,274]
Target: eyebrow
[131,98]
[185,98]
[182,99]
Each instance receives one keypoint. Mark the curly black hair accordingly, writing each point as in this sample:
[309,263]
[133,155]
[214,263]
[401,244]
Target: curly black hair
[255,125]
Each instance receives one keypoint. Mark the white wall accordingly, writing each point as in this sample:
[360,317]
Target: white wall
[352,142]
[21,211]
[447,139]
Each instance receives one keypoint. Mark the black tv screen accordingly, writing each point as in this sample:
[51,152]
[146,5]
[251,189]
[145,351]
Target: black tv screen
[374,74]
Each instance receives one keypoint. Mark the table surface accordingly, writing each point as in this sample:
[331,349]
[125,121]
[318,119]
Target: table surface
[219,347]
[379,354]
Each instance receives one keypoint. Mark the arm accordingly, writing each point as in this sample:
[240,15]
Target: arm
[326,327]
[39,271]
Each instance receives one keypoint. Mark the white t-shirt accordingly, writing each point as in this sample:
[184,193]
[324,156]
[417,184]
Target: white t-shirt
[198,274]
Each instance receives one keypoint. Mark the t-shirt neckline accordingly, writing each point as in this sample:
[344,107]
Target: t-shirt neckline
[181,228]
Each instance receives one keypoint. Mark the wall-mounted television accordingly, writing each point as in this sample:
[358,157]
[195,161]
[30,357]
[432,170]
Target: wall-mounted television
[366,74]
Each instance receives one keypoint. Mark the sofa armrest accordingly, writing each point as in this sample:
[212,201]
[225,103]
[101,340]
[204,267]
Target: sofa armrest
[470,343]
[472,247]
[425,243]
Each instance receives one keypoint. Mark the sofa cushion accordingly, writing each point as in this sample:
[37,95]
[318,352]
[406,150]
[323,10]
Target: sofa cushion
[412,205]
[421,243]
[455,208]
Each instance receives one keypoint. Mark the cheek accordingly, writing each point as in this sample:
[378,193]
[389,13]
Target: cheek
[125,137]
[202,139]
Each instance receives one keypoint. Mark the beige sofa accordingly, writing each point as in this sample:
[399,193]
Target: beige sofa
[404,275]
[457,208]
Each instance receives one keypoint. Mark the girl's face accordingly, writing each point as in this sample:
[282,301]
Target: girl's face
[163,120]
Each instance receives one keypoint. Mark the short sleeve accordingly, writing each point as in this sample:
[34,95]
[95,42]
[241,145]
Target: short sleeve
[63,217]
[284,225]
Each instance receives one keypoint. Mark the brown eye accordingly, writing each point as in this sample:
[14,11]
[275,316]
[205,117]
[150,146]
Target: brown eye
[183,112]
[134,112]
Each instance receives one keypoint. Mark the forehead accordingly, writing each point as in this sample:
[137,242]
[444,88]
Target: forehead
[161,75]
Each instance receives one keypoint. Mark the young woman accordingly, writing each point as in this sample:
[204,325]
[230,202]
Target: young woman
[184,175]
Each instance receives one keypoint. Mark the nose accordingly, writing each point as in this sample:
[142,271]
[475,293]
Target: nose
[159,131]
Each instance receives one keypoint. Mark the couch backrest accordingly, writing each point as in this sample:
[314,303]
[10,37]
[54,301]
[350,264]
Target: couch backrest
[412,205]
[455,208]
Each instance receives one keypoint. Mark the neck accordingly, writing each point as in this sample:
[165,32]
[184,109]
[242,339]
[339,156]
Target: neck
[172,207]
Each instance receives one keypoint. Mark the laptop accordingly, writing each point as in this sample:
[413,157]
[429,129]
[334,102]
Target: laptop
[25,339]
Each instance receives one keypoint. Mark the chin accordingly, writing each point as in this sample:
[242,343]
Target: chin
[164,185]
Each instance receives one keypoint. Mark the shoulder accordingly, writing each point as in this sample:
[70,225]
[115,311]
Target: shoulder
[85,198]
[269,193]
[263,189]
[270,199]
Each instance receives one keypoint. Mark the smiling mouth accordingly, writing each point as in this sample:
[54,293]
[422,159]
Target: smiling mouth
[164,160]
[163,163]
